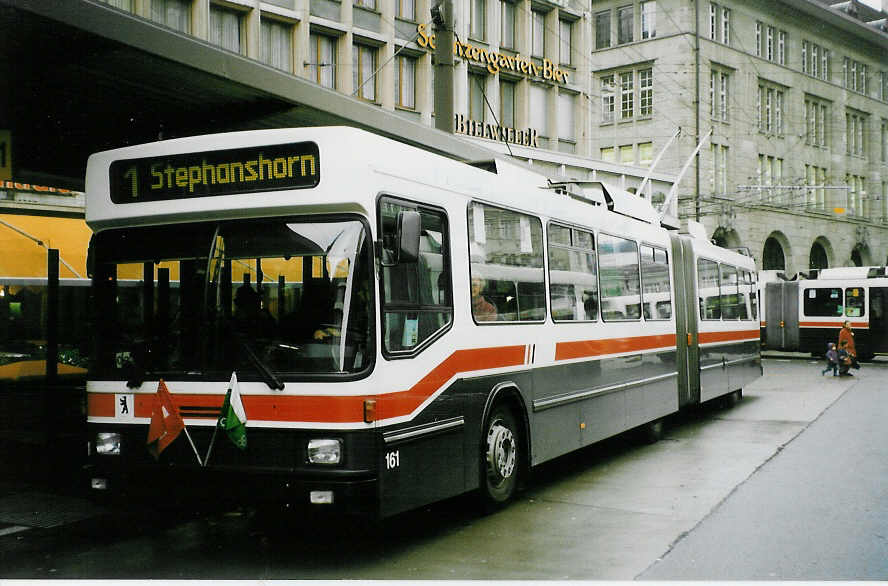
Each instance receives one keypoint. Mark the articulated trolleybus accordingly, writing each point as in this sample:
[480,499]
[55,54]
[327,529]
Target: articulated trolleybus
[395,327]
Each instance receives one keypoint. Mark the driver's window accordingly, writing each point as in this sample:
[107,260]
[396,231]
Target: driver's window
[416,296]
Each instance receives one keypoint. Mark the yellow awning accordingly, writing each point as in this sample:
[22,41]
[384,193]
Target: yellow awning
[20,256]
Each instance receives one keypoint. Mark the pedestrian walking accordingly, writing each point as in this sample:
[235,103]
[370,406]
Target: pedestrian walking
[844,359]
[832,360]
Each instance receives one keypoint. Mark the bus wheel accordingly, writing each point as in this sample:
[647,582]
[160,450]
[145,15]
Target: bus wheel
[500,460]
[653,432]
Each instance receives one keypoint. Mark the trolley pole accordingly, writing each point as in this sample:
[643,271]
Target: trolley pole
[442,16]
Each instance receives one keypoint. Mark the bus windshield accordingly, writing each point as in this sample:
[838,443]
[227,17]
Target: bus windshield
[270,299]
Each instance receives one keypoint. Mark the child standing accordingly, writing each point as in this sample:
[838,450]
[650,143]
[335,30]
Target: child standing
[832,360]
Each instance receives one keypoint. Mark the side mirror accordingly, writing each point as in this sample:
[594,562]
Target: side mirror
[409,231]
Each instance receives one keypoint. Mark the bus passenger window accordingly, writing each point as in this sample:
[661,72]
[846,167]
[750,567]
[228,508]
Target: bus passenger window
[855,301]
[708,291]
[822,302]
[506,255]
[620,278]
[573,277]
[416,296]
[730,293]
[655,281]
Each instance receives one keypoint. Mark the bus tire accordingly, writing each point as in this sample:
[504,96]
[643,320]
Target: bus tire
[500,457]
[652,432]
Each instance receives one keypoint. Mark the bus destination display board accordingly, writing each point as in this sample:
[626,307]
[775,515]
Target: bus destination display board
[208,173]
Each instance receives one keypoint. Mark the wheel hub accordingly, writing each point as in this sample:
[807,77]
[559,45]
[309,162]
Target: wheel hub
[501,454]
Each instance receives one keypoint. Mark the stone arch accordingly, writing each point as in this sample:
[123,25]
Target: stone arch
[820,254]
[775,252]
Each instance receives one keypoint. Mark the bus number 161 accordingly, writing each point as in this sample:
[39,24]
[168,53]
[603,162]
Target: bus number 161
[392,460]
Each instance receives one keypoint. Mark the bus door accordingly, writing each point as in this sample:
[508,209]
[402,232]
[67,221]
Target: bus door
[782,313]
[878,320]
[687,359]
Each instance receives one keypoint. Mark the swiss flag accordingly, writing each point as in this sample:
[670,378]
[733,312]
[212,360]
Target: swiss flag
[166,423]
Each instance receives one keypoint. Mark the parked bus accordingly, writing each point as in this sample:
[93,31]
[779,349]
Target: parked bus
[806,313]
[332,270]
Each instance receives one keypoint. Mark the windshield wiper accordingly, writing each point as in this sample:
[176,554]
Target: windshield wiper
[268,376]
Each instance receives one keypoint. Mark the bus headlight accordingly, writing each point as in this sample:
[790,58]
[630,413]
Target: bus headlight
[324,451]
[108,444]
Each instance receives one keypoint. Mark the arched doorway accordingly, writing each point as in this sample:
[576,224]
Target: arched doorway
[818,259]
[773,258]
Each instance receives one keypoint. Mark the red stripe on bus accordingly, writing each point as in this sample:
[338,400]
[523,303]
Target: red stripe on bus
[332,409]
[829,324]
[709,337]
[585,348]
[100,404]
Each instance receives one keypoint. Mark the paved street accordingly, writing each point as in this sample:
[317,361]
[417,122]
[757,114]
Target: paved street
[787,484]
[818,510]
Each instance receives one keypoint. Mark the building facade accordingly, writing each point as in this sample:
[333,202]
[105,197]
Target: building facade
[791,97]
[795,96]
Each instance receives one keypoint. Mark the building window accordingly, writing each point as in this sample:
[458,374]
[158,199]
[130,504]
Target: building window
[855,123]
[175,14]
[856,189]
[645,93]
[405,81]
[854,75]
[883,86]
[816,116]
[627,95]
[567,133]
[627,154]
[719,182]
[507,17]
[564,33]
[625,24]
[476,83]
[603,29]
[884,141]
[726,26]
[537,33]
[322,65]
[771,108]
[121,4]
[226,28]
[539,99]
[277,44]
[719,94]
[607,98]
[478,23]
[645,153]
[609,155]
[406,9]
[648,19]
[769,44]
[713,21]
[507,103]
[781,47]
[364,71]
[369,4]
[758,39]
[815,195]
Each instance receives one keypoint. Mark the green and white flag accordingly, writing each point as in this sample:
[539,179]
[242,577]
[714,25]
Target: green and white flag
[233,418]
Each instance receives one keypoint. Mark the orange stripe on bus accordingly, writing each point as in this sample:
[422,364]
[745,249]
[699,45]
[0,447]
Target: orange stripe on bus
[830,324]
[585,348]
[332,409]
[709,337]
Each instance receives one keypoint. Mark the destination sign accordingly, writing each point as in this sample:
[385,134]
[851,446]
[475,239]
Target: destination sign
[208,173]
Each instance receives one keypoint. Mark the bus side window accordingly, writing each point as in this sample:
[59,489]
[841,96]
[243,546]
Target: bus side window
[655,283]
[708,289]
[416,296]
[855,301]
[822,302]
[620,278]
[573,277]
[506,265]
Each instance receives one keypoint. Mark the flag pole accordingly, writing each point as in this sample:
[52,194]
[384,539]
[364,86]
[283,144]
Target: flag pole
[212,443]
[196,455]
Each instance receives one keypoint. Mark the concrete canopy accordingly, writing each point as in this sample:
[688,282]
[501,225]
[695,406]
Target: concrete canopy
[81,76]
